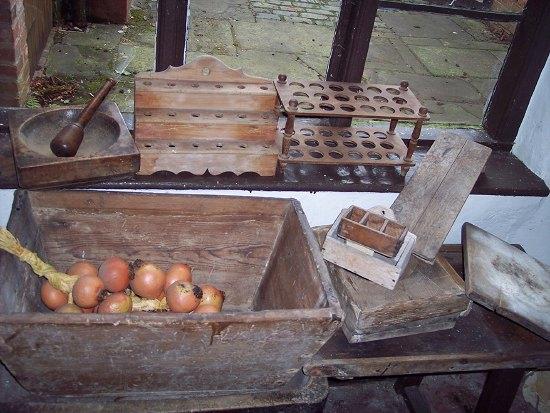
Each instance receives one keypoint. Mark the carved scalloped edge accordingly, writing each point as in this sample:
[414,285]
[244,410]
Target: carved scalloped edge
[199,171]
[194,71]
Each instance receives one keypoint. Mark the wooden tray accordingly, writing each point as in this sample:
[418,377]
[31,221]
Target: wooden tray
[205,116]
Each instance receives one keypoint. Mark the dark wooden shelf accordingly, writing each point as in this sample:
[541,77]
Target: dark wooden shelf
[504,173]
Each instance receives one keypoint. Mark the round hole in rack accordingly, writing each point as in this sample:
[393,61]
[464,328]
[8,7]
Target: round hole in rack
[304,94]
[242,146]
[335,155]
[195,145]
[374,89]
[393,91]
[368,144]
[305,105]
[316,86]
[349,144]
[321,96]
[355,155]
[392,156]
[330,143]
[355,89]
[241,116]
[265,145]
[240,86]
[306,132]
[294,142]
[219,115]
[171,145]
[347,108]
[336,88]
[325,133]
[406,111]
[195,115]
[295,153]
[368,109]
[219,145]
[195,85]
[172,114]
[326,106]
[387,110]
[147,83]
[345,134]
[380,135]
[147,145]
[386,145]
[361,98]
[218,86]
[316,154]
[265,116]
[362,134]
[171,84]
[296,84]
[341,98]
[147,114]
[380,99]
[205,71]
[374,156]
[399,101]
[311,142]
[263,87]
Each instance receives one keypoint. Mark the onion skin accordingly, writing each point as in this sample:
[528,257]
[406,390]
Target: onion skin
[147,280]
[206,308]
[183,297]
[82,268]
[89,310]
[115,273]
[177,272]
[69,309]
[88,291]
[52,297]
[212,296]
[116,303]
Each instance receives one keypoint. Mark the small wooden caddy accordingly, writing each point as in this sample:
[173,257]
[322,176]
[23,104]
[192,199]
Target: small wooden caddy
[107,150]
[366,262]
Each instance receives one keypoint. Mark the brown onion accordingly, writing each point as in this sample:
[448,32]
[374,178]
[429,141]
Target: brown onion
[146,279]
[116,303]
[69,309]
[88,291]
[89,310]
[206,308]
[212,296]
[183,297]
[177,272]
[52,297]
[82,268]
[115,273]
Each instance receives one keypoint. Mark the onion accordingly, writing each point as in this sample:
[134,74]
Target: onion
[212,296]
[89,310]
[116,303]
[69,308]
[206,308]
[183,297]
[81,268]
[52,297]
[88,291]
[177,272]
[146,279]
[115,273]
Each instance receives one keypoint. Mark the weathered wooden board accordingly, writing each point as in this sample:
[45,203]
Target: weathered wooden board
[427,298]
[205,116]
[506,280]
[430,202]
[278,314]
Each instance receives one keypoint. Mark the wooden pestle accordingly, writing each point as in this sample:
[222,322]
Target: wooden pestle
[68,140]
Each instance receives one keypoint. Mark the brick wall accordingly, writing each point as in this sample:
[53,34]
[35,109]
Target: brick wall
[14,62]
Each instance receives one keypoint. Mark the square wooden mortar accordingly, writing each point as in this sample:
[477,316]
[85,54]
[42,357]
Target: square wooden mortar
[107,150]
[280,305]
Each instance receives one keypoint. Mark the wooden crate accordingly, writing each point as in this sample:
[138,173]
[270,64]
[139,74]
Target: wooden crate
[280,305]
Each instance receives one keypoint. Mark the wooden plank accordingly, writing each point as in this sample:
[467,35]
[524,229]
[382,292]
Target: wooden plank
[431,201]
[520,72]
[507,280]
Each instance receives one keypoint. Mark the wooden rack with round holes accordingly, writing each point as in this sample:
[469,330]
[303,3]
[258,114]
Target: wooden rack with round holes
[338,99]
[205,116]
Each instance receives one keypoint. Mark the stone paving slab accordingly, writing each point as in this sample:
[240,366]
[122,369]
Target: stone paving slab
[222,9]
[318,12]
[447,61]
[100,36]
[448,112]
[211,36]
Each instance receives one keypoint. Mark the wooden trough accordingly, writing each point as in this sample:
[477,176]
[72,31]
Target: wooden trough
[280,305]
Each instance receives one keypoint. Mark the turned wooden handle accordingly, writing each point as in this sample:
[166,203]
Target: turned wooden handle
[68,140]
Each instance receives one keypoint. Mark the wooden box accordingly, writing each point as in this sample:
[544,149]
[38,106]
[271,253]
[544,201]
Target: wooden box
[280,306]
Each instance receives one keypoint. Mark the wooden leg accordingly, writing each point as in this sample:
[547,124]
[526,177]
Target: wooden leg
[407,387]
[171,33]
[499,390]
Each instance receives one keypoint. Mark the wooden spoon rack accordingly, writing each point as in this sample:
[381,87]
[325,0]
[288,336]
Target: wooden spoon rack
[354,146]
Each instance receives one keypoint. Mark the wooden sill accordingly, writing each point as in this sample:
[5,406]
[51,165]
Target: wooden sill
[504,173]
